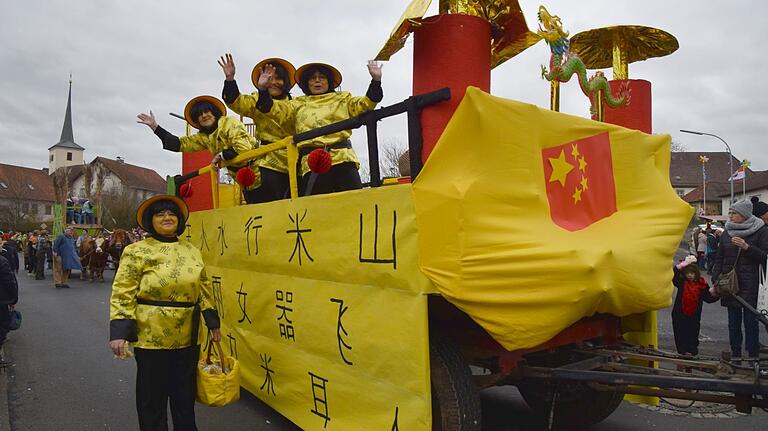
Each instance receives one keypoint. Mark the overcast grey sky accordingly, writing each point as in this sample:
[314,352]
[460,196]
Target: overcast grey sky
[128,57]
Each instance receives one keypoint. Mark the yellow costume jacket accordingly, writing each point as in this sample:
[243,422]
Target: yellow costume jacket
[268,130]
[310,112]
[153,270]
[229,133]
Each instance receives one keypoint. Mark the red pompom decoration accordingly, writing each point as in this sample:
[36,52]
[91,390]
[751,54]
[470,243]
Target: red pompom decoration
[319,161]
[245,177]
[185,190]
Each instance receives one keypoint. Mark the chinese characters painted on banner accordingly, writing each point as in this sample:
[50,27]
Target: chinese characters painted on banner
[319,396]
[241,301]
[268,382]
[374,256]
[300,245]
[252,224]
[221,238]
[286,326]
[341,332]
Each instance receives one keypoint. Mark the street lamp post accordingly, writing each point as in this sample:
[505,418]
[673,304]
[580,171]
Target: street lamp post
[704,160]
[730,155]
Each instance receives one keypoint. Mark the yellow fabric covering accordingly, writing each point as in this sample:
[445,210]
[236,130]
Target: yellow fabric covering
[525,266]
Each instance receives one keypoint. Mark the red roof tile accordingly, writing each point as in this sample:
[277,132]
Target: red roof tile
[17,182]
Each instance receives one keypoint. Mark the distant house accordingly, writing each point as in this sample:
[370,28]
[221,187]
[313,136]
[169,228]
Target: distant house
[119,178]
[26,196]
[719,193]
[685,169]
[686,177]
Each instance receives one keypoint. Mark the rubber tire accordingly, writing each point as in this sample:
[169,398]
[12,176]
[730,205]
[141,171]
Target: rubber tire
[455,398]
[577,405]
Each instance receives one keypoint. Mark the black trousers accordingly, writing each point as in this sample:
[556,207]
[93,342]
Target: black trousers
[41,257]
[31,261]
[162,375]
[341,177]
[5,320]
[274,186]
[686,330]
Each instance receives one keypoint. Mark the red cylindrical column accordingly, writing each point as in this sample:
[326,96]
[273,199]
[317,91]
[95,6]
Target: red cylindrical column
[449,51]
[201,197]
[636,115]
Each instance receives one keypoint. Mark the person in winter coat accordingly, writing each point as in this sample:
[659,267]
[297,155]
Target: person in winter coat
[30,257]
[273,167]
[701,247]
[65,258]
[713,240]
[320,106]
[9,249]
[759,209]
[692,292]
[43,251]
[9,296]
[159,292]
[743,245]
[223,136]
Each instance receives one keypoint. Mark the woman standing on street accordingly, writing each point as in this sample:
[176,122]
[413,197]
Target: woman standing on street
[158,292]
[743,246]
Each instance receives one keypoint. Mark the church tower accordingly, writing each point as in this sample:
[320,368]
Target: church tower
[66,152]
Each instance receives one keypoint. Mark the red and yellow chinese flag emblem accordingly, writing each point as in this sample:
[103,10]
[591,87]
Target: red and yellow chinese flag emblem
[579,181]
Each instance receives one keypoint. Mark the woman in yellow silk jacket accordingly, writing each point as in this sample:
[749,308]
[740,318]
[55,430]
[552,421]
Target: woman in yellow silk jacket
[158,294]
[273,167]
[225,137]
[320,106]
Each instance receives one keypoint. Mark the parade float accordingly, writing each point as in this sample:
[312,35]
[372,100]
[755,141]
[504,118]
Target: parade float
[509,256]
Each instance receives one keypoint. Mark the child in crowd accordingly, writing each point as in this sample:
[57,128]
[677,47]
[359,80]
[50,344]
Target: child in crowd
[692,291]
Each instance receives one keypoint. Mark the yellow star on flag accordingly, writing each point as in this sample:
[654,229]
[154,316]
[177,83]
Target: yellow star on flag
[584,183]
[560,168]
[582,164]
[575,151]
[577,195]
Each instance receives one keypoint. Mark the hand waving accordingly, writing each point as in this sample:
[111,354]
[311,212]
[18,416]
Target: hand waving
[149,120]
[228,66]
[265,76]
[374,69]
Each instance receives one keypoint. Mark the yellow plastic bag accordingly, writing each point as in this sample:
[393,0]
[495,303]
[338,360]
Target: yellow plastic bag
[217,386]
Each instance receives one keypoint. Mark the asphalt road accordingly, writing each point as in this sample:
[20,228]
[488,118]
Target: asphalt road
[65,379]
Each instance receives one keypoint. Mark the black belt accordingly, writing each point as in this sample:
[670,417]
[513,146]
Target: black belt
[178,304]
[337,146]
[165,303]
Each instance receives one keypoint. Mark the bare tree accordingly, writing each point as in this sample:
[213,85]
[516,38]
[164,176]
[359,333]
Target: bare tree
[365,173]
[390,152]
[15,210]
[678,147]
[119,208]
[61,193]
[101,172]
[88,180]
